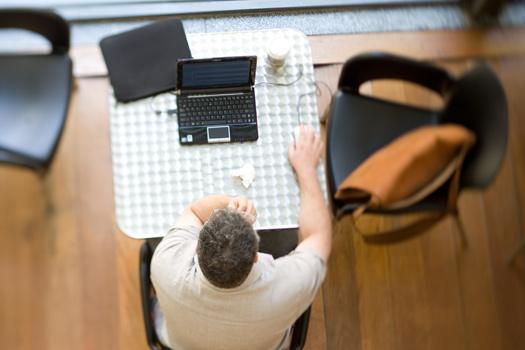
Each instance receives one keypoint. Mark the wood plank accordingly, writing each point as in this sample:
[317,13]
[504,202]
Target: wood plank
[425,45]
[336,49]
[88,61]
[130,332]
[95,215]
[340,293]
[480,312]
[442,285]
[64,302]
[339,281]
[23,246]
[502,220]
[512,73]
[376,326]
[439,263]
[316,336]
[476,282]
[409,301]
[503,214]
[405,267]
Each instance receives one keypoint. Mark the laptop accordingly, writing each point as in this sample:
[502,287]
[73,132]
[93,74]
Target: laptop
[216,100]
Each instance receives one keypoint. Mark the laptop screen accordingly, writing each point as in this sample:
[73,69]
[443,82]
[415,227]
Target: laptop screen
[225,72]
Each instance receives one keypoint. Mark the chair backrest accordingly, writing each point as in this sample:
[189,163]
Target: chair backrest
[36,90]
[300,329]
[475,100]
[46,23]
[146,253]
[377,65]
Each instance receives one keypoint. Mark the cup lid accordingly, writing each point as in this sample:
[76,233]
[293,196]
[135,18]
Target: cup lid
[279,49]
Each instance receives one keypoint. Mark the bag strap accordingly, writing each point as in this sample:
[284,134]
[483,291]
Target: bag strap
[452,171]
[400,234]
[453,190]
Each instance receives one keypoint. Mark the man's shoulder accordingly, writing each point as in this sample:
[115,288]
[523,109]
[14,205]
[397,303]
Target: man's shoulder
[301,267]
[291,282]
[187,231]
[289,263]
[301,256]
[175,253]
[176,237]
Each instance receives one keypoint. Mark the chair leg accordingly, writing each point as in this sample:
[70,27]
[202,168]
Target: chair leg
[516,251]
[461,230]
[153,243]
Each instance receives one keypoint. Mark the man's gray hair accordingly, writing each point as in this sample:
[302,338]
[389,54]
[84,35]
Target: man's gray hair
[227,248]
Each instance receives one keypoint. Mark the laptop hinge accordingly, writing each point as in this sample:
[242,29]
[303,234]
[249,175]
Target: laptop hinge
[215,91]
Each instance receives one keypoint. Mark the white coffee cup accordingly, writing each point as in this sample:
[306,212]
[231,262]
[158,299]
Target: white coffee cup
[277,51]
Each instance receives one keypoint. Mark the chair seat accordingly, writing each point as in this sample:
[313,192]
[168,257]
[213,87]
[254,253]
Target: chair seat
[359,126]
[34,98]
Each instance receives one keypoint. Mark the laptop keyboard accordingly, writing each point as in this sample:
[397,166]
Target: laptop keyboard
[215,110]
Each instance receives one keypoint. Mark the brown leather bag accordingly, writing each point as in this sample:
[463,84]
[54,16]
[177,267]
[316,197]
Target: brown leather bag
[409,169]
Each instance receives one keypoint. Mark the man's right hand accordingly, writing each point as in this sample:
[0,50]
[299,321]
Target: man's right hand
[315,230]
[304,154]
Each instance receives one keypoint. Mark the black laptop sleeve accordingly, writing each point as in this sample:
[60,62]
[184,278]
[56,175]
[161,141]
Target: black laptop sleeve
[142,62]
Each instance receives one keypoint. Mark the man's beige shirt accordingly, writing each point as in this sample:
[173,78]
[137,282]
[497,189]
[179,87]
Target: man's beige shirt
[255,315]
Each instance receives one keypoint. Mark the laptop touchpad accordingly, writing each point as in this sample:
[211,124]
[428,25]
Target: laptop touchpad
[219,134]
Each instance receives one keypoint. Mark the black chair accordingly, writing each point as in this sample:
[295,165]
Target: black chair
[34,91]
[359,125]
[272,241]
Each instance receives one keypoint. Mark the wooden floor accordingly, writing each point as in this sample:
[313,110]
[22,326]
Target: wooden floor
[69,278]
[430,292]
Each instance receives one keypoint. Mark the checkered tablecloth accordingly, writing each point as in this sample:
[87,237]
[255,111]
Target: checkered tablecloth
[155,178]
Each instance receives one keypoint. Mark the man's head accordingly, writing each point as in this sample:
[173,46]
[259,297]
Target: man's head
[227,248]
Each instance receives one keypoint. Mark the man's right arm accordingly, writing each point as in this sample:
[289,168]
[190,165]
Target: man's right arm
[315,230]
